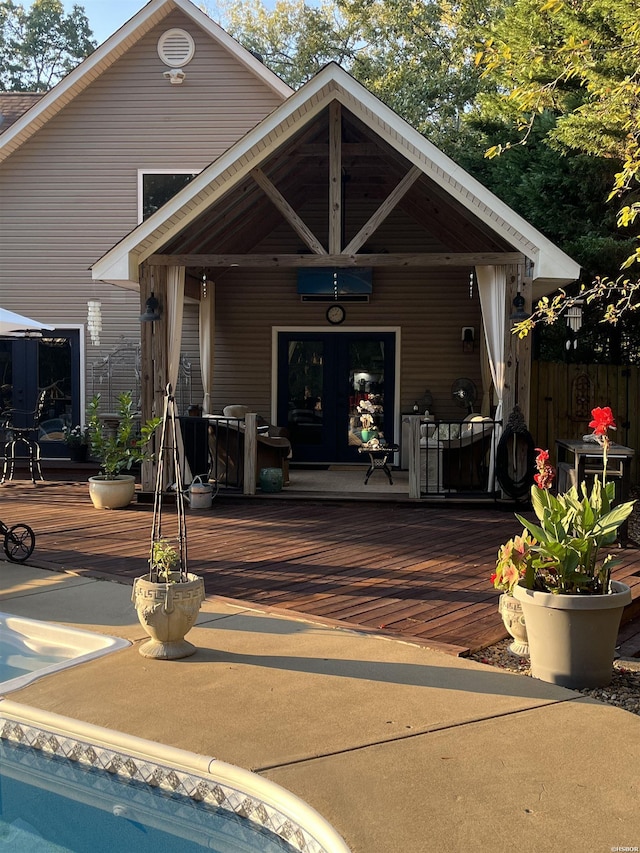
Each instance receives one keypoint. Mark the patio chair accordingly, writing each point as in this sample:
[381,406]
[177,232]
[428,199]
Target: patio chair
[25,437]
[226,443]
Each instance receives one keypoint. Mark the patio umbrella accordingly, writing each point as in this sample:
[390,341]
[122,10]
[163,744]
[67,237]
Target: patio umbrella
[15,325]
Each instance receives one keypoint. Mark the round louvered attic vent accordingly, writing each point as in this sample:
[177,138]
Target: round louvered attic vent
[176,48]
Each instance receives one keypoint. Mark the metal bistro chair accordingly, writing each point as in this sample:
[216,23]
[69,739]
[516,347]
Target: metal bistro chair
[27,437]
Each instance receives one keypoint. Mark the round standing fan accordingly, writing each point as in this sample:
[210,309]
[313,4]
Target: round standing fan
[464,393]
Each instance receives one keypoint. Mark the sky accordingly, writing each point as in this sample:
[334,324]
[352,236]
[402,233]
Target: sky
[106,16]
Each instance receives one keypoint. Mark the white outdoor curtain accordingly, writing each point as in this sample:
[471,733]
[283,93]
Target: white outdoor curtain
[175,312]
[206,337]
[485,370]
[492,288]
[175,305]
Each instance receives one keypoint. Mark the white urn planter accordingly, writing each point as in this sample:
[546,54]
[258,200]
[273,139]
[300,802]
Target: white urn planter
[168,611]
[572,638]
[112,493]
[513,618]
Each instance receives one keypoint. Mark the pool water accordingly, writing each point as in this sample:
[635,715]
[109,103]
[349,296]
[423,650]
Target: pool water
[49,804]
[30,649]
[68,786]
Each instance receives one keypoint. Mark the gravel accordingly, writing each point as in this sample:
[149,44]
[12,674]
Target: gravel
[623,692]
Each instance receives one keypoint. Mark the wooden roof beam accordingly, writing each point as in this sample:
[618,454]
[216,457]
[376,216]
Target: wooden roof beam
[283,206]
[335,178]
[383,211]
[417,259]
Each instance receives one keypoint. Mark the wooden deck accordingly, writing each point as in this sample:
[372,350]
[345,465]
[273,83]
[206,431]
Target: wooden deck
[416,571]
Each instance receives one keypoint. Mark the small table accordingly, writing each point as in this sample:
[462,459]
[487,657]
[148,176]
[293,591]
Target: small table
[378,459]
[577,458]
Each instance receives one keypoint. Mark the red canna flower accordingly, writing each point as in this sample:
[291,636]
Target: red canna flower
[541,458]
[603,420]
[544,478]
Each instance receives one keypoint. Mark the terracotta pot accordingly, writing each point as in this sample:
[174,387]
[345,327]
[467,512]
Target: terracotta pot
[572,638]
[167,611]
[513,618]
[112,494]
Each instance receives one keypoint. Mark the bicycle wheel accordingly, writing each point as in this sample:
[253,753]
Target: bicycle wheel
[19,542]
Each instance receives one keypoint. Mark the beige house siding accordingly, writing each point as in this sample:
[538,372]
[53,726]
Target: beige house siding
[431,307]
[70,192]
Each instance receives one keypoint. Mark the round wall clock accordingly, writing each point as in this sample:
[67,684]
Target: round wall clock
[335,314]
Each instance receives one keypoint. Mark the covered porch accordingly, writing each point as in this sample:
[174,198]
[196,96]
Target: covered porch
[336,185]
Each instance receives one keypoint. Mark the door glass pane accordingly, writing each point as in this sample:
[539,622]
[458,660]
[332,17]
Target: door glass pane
[54,374]
[366,396]
[305,391]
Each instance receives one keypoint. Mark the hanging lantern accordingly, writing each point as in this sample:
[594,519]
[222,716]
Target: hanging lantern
[94,320]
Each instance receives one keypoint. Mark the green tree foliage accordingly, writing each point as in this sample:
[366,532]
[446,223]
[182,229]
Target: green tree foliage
[580,63]
[416,56]
[293,39]
[40,45]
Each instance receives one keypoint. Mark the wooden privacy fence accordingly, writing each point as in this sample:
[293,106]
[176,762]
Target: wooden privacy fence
[563,395]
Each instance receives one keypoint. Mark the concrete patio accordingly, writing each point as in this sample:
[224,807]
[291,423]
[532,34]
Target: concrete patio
[402,748]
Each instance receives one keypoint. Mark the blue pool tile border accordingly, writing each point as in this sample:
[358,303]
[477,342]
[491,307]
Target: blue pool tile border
[174,781]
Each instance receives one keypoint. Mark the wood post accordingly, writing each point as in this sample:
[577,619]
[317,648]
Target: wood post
[250,453]
[414,457]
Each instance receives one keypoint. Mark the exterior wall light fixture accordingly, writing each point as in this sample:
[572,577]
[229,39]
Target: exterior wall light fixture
[151,310]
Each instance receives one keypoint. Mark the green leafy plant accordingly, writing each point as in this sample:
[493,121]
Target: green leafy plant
[116,451]
[563,551]
[163,560]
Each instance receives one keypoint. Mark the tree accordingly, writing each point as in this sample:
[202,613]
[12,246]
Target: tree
[579,62]
[417,57]
[40,45]
[294,40]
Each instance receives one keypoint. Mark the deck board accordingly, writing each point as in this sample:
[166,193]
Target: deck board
[415,571]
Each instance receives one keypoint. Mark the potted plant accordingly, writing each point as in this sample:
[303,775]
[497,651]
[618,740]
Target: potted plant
[116,451]
[510,567]
[77,440]
[168,598]
[167,601]
[572,608]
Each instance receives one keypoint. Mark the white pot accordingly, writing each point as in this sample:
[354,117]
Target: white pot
[513,619]
[167,611]
[112,494]
[572,638]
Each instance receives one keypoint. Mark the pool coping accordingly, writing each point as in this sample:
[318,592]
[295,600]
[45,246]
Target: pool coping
[198,777]
[99,645]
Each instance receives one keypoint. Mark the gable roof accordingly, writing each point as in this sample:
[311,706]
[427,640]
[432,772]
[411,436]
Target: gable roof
[111,50]
[552,267]
[13,105]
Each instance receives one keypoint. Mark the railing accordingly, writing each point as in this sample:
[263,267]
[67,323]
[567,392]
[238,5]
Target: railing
[452,457]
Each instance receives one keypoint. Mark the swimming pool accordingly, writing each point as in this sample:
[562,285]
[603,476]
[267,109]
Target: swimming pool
[71,787]
[30,649]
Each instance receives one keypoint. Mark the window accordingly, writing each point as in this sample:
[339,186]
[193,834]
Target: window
[156,188]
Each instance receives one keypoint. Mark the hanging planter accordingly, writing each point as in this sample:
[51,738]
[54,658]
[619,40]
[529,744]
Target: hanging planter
[168,598]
